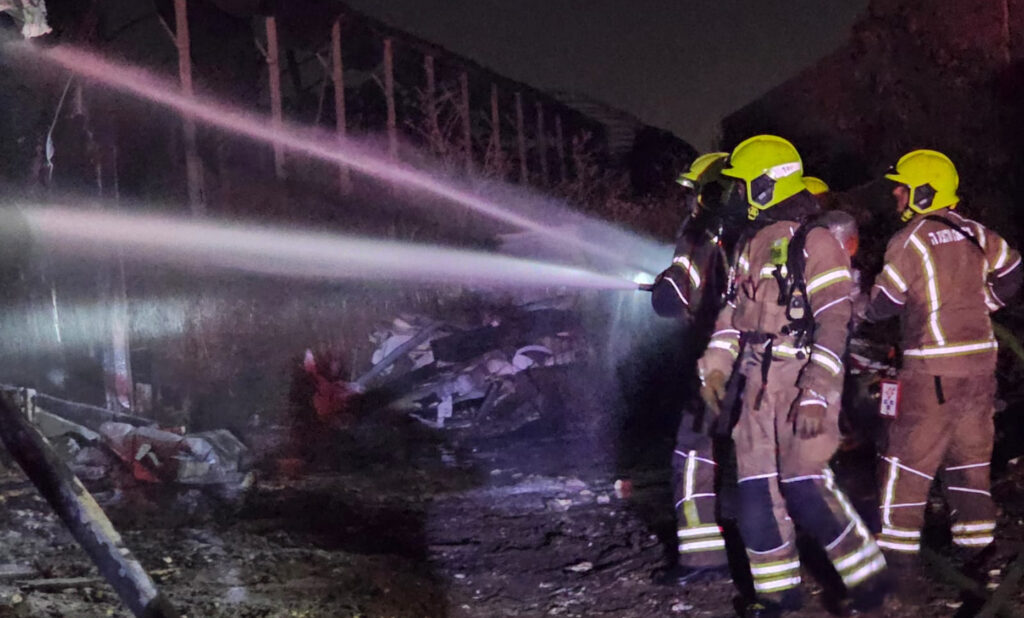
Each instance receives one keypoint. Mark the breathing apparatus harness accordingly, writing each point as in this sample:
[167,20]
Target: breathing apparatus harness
[789,261]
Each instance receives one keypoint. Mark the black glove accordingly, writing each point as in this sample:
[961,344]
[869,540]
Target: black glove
[668,291]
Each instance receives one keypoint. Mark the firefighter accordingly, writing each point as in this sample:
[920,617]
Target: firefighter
[943,275]
[785,328]
[816,186]
[691,290]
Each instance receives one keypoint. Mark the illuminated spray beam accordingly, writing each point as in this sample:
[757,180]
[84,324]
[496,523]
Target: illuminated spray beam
[296,254]
[335,149]
[34,330]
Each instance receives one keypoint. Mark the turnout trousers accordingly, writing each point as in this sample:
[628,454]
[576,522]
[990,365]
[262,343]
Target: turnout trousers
[695,478]
[942,423]
[784,479]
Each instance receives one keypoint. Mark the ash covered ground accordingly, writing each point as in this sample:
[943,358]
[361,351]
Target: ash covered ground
[551,499]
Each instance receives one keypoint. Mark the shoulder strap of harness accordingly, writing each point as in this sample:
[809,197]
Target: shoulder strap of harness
[950,224]
[793,285]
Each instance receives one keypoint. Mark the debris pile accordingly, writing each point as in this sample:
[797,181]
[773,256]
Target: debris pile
[450,375]
[97,443]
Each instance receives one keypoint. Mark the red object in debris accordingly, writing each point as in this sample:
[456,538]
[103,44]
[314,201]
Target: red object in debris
[290,467]
[623,488]
[333,398]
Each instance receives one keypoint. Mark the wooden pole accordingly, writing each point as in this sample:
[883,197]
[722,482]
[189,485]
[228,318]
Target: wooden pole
[338,77]
[542,145]
[124,383]
[193,166]
[521,140]
[433,126]
[84,518]
[496,152]
[560,148]
[389,95]
[467,127]
[274,68]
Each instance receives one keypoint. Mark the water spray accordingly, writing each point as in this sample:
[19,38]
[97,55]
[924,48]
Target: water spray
[297,254]
[316,144]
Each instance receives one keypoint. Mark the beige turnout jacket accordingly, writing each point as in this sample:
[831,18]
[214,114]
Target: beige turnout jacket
[943,287]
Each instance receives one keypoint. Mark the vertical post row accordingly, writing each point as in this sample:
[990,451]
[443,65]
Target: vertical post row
[521,139]
[193,167]
[338,77]
[389,96]
[467,127]
[274,68]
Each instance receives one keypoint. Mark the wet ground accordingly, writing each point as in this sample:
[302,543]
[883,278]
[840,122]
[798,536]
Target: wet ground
[528,526]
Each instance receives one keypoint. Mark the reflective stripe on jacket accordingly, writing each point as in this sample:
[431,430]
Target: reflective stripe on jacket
[943,288]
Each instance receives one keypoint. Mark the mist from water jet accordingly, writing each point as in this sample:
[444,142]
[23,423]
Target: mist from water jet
[295,254]
[618,248]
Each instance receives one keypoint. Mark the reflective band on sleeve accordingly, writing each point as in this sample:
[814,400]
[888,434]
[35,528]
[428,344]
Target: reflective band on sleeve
[781,350]
[889,295]
[931,279]
[952,350]
[827,278]
[726,332]
[691,269]
[679,293]
[767,272]
[829,305]
[1009,268]
[984,526]
[1004,255]
[895,277]
[725,345]
[827,359]
[974,541]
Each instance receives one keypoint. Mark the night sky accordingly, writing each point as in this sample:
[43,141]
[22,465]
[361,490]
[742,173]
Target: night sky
[676,64]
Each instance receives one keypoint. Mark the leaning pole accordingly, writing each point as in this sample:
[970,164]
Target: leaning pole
[84,518]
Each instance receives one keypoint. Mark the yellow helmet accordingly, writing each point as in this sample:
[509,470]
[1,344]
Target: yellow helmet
[816,186]
[771,169]
[931,178]
[703,169]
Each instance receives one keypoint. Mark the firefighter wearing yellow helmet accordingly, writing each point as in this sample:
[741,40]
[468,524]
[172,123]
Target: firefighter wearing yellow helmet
[816,186]
[692,290]
[943,275]
[784,328]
